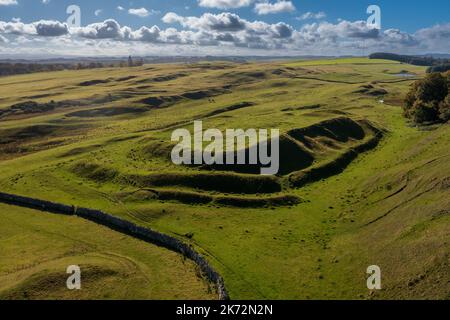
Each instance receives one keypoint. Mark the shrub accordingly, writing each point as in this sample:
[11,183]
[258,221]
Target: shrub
[427,101]
[424,112]
[433,88]
[444,109]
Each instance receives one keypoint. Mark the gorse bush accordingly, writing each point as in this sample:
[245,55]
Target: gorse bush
[428,99]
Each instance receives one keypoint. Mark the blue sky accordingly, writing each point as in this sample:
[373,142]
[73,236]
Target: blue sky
[407,18]
[402,14]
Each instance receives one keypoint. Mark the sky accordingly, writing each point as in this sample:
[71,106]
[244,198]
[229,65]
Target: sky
[41,28]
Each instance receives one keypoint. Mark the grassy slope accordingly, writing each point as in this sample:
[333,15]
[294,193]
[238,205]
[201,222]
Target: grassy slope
[38,247]
[317,249]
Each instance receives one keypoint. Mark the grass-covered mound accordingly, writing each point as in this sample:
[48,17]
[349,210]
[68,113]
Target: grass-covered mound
[38,247]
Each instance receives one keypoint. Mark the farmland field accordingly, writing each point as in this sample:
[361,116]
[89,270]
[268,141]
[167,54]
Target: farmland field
[357,186]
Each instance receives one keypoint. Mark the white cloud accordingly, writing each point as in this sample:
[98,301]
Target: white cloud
[312,15]
[98,12]
[222,22]
[220,34]
[8,2]
[225,4]
[45,1]
[17,28]
[435,38]
[229,28]
[120,8]
[48,28]
[440,32]
[141,12]
[45,28]
[282,6]
[108,29]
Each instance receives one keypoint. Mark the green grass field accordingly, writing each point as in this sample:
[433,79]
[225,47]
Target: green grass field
[38,247]
[106,143]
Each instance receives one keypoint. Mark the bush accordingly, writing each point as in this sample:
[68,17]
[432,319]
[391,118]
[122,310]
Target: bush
[433,88]
[428,99]
[444,109]
[424,112]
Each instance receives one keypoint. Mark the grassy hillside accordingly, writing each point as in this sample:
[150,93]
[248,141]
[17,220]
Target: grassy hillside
[38,247]
[358,185]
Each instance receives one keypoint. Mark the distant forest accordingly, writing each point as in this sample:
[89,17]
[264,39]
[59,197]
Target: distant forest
[435,65]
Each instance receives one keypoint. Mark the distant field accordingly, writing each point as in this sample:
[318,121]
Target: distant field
[101,139]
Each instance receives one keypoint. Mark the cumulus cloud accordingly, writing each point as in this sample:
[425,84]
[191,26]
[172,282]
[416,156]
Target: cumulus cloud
[327,31]
[141,12]
[147,34]
[45,28]
[282,6]
[220,22]
[440,32]
[230,28]
[108,29]
[225,4]
[48,28]
[435,38]
[112,30]
[8,2]
[399,37]
[224,33]
[17,28]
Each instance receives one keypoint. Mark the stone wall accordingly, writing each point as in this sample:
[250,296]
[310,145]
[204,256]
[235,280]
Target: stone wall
[126,227]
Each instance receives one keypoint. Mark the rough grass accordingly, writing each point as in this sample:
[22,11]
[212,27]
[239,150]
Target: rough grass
[38,247]
[388,206]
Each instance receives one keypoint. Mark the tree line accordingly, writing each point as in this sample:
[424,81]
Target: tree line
[8,69]
[435,65]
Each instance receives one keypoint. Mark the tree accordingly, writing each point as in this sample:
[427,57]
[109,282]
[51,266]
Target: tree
[432,88]
[427,100]
[130,61]
[424,112]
